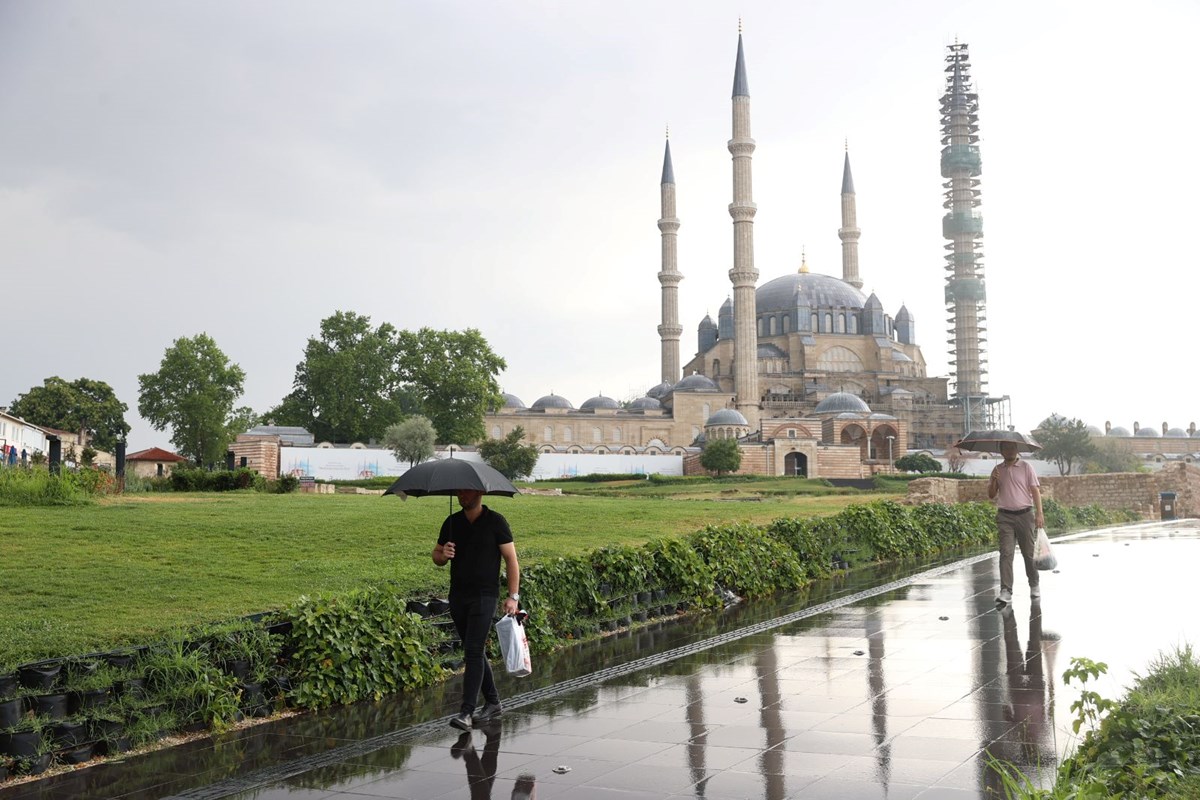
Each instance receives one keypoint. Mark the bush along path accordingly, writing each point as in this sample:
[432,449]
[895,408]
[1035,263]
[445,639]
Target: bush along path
[369,643]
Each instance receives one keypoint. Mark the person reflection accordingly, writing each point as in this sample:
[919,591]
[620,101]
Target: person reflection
[1026,679]
[481,771]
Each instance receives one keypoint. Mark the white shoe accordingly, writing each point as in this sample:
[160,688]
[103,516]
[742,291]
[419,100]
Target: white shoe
[1005,597]
[1035,592]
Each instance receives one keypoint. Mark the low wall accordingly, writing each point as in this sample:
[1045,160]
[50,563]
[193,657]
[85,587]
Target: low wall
[1137,491]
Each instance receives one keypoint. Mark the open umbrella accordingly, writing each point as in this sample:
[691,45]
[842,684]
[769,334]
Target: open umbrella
[990,441]
[450,476]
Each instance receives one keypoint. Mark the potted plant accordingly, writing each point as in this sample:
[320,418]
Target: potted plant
[24,739]
[69,732]
[93,688]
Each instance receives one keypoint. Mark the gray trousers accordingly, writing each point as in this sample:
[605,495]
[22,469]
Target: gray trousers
[1016,529]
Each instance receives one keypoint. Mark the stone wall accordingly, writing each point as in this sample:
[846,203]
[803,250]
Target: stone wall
[261,453]
[1138,491]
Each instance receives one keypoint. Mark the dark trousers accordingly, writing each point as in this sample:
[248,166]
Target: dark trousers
[473,620]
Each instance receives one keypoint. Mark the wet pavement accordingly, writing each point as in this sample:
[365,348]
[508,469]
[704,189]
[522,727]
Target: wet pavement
[898,682]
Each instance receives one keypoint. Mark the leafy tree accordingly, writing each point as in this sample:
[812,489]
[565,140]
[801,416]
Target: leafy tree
[241,420]
[84,405]
[721,455]
[411,440]
[347,388]
[1112,457]
[918,462]
[1064,441]
[454,375]
[508,456]
[193,392]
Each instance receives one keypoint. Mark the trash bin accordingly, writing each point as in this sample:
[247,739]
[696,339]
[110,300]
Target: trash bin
[1166,505]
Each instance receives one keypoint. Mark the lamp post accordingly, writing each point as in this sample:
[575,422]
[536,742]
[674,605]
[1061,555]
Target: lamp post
[892,463]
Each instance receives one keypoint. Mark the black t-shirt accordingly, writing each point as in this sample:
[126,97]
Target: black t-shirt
[475,568]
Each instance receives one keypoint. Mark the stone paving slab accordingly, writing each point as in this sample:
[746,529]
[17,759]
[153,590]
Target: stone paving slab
[903,692]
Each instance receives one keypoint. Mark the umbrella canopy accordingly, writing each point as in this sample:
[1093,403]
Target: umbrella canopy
[450,476]
[990,441]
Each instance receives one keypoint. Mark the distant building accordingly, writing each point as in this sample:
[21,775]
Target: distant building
[152,463]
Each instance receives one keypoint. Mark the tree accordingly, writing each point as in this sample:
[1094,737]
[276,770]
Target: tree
[1112,457]
[955,460]
[193,393]
[86,406]
[508,456]
[721,455]
[241,419]
[411,440]
[453,373]
[918,462]
[347,388]
[1064,441]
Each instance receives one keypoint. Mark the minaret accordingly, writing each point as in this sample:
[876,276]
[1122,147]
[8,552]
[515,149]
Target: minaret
[669,277]
[963,227]
[743,276]
[849,231]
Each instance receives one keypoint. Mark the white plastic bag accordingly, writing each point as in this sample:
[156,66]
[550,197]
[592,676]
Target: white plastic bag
[1043,556]
[514,646]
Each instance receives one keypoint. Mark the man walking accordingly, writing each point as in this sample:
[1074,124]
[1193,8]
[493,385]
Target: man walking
[1015,488]
[473,541]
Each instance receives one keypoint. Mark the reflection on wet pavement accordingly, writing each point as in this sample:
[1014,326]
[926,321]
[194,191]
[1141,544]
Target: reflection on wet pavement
[905,694]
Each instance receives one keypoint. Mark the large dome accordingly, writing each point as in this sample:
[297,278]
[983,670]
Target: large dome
[551,401]
[599,401]
[840,402]
[816,291]
[1147,433]
[512,401]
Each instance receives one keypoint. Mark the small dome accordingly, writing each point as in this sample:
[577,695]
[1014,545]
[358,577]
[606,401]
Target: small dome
[707,323]
[1094,431]
[599,401]
[659,391]
[645,404]
[902,315]
[512,401]
[696,383]
[1176,433]
[551,401]
[873,302]
[726,307]
[898,356]
[727,416]
[842,401]
[1118,431]
[1147,433]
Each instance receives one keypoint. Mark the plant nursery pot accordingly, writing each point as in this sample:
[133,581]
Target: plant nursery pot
[105,729]
[120,660]
[418,608]
[660,594]
[35,765]
[640,615]
[643,598]
[254,700]
[625,621]
[8,684]
[40,676]
[3,773]
[11,712]
[21,744]
[608,625]
[238,668]
[80,701]
[134,688]
[54,706]
[78,755]
[69,734]
[80,669]
[154,710]
[112,747]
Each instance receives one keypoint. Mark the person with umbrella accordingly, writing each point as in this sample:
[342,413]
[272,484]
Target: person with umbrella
[473,541]
[1015,488]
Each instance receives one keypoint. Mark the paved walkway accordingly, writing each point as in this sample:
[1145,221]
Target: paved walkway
[883,685]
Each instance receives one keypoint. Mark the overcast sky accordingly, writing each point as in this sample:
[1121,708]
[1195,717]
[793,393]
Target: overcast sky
[247,169]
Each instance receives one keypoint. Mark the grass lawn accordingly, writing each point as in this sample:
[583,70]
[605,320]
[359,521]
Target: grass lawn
[79,579]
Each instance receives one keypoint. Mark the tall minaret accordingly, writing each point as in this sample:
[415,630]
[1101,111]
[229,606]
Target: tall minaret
[743,275]
[963,227]
[849,231]
[669,277]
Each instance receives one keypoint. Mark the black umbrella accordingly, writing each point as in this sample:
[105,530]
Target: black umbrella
[450,476]
[990,441]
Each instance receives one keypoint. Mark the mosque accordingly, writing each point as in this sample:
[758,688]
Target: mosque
[811,377]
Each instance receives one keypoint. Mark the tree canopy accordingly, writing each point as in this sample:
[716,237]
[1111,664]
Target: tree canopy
[86,406]
[918,462]
[347,388]
[454,375]
[508,456]
[193,393]
[1064,441]
[721,455]
[411,440]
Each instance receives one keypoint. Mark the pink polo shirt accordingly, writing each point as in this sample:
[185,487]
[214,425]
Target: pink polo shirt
[1016,485]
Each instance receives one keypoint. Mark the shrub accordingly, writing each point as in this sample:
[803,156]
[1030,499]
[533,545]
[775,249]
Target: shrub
[1055,515]
[35,487]
[918,462]
[747,559]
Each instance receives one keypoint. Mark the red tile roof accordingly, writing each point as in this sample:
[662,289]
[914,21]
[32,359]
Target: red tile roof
[154,454]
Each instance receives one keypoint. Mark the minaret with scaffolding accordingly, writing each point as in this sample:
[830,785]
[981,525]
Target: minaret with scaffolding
[963,228]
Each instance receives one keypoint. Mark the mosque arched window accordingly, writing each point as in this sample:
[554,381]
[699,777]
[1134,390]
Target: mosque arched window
[716,367]
[547,434]
[839,359]
[707,410]
[787,319]
[770,326]
[812,323]
[495,431]
[852,323]
[566,434]
[760,327]
[597,435]
[616,434]
[828,320]
[841,324]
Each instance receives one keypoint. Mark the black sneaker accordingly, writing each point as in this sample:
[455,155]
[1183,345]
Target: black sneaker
[489,712]
[461,720]
[463,744]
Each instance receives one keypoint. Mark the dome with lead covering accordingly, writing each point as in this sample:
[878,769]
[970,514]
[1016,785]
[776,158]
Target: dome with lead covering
[551,401]
[696,383]
[599,401]
[1147,433]
[726,416]
[809,289]
[1118,431]
[657,392]
[512,401]
[645,404]
[839,402]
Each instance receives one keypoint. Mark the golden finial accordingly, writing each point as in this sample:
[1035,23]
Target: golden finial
[803,261]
